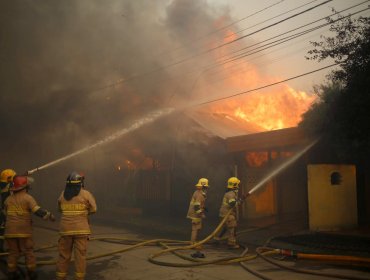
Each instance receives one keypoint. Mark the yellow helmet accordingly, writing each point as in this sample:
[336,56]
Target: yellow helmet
[203,182]
[233,183]
[7,175]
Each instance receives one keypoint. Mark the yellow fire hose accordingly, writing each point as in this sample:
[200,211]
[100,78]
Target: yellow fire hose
[197,244]
[164,243]
[262,252]
[197,262]
[140,243]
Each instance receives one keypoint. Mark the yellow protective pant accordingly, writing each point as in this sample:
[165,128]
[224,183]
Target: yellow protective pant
[196,225]
[67,244]
[231,225]
[18,247]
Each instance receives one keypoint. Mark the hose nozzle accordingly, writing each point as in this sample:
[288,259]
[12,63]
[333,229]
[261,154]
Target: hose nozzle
[30,172]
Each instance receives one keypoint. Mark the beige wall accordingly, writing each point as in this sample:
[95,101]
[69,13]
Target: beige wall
[331,206]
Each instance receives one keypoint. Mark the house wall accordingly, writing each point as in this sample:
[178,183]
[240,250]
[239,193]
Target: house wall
[332,199]
[291,185]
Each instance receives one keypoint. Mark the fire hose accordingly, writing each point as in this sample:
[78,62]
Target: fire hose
[262,252]
[328,258]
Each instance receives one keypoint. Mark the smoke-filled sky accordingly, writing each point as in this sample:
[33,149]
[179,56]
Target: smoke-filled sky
[73,72]
[287,60]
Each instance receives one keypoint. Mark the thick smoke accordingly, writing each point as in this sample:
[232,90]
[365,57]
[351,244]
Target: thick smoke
[57,59]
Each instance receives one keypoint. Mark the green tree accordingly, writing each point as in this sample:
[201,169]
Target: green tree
[341,114]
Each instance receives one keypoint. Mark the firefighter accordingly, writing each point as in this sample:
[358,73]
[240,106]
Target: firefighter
[196,212]
[18,228]
[230,201]
[6,177]
[75,204]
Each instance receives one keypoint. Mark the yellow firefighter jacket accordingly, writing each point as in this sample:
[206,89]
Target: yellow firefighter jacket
[196,207]
[18,210]
[229,201]
[75,213]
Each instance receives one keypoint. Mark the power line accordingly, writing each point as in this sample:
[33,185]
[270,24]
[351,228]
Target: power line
[272,18]
[266,86]
[284,39]
[226,26]
[310,30]
[351,7]
[237,70]
[269,45]
[207,51]
[269,19]
[271,25]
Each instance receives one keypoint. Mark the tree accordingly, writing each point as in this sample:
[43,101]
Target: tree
[341,114]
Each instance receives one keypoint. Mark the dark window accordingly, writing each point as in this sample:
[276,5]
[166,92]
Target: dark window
[335,178]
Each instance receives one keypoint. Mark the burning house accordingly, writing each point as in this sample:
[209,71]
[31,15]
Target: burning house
[100,81]
[312,191]
[158,178]
[283,196]
[161,163]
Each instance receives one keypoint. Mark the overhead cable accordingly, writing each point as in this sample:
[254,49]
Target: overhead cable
[207,51]
[265,86]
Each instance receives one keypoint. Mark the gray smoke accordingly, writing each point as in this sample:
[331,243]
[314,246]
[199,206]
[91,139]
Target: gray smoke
[57,56]
[56,60]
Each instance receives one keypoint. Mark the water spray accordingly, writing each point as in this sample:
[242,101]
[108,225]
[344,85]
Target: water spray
[137,124]
[281,167]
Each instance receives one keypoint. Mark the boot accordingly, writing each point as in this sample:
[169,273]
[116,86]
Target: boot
[32,275]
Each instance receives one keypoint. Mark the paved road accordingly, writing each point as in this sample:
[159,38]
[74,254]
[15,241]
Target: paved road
[134,265]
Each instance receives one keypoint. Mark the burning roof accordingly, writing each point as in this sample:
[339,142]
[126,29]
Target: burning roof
[224,125]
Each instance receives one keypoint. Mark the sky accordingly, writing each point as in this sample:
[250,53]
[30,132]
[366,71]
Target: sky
[74,72]
[289,59]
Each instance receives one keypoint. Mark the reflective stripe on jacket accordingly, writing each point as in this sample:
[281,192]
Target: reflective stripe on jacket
[229,201]
[196,206]
[75,213]
[18,210]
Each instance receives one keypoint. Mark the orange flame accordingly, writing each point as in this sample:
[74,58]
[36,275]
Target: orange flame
[256,159]
[137,160]
[276,107]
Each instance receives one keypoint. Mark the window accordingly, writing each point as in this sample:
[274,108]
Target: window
[335,178]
